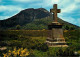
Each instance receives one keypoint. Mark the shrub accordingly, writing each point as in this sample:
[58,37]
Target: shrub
[17,53]
[43,47]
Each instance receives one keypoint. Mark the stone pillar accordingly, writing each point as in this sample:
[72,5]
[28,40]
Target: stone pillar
[56,39]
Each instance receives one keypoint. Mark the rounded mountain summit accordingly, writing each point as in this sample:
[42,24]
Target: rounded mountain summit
[29,15]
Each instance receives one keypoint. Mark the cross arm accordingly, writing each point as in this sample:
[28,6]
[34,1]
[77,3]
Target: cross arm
[58,10]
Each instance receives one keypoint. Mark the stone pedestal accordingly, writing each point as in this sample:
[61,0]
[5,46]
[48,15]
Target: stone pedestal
[55,37]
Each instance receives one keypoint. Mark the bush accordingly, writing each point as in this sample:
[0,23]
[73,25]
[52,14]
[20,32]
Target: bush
[43,47]
[17,53]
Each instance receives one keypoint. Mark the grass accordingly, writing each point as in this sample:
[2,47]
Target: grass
[31,38]
[41,39]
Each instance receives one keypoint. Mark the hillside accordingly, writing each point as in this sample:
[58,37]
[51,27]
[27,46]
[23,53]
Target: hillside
[34,41]
[31,19]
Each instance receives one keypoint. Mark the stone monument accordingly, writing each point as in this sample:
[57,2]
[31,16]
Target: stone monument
[55,36]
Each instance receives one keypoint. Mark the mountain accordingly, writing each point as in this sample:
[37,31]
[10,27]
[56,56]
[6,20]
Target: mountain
[31,19]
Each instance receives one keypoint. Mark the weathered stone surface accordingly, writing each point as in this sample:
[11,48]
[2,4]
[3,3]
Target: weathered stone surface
[55,36]
[55,11]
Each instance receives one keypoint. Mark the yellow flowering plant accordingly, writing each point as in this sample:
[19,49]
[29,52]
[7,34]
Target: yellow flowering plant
[79,52]
[17,53]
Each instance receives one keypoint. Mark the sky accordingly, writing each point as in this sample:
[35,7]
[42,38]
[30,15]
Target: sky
[70,9]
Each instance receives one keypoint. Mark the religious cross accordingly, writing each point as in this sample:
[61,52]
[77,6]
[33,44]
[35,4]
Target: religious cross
[55,11]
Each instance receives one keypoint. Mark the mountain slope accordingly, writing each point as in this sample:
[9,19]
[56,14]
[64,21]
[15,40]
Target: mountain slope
[31,19]
[25,16]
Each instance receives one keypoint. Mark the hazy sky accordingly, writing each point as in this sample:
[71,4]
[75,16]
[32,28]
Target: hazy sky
[70,9]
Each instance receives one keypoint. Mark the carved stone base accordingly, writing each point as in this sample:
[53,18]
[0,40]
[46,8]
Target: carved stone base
[57,42]
[55,37]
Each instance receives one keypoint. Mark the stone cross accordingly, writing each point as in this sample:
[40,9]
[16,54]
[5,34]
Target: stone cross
[55,11]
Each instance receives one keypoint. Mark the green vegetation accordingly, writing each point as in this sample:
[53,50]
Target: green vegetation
[18,27]
[39,24]
[24,30]
[73,38]
[34,41]
[17,53]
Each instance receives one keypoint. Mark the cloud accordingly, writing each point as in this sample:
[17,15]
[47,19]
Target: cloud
[78,21]
[0,1]
[4,17]
[9,8]
[78,1]
[70,19]
[8,11]
[24,0]
[47,3]
[69,8]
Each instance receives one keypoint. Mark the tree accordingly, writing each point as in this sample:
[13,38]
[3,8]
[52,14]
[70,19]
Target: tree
[72,28]
[66,27]
[18,27]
